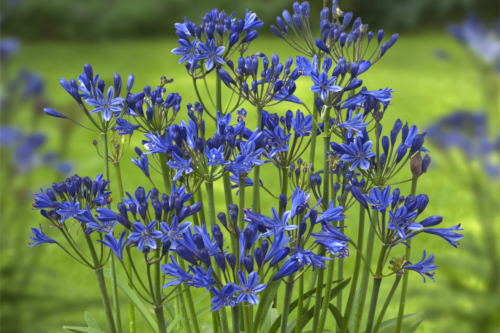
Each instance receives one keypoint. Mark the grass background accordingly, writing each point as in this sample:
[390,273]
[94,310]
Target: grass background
[43,289]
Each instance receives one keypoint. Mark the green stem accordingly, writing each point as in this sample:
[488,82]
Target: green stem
[102,286]
[319,294]
[165,172]
[190,304]
[387,302]
[357,266]
[310,286]
[248,318]
[404,288]
[160,319]
[218,94]
[315,113]
[105,155]
[256,171]
[286,304]
[326,164]
[377,280]
[326,301]
[360,299]
[201,213]
[284,190]
[300,306]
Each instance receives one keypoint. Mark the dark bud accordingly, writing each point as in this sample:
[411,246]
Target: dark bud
[133,209]
[200,145]
[425,163]
[165,247]
[205,257]
[248,263]
[89,72]
[219,238]
[149,113]
[231,260]
[51,195]
[248,237]
[222,219]
[184,213]
[198,241]
[123,220]
[44,213]
[264,246]
[178,204]
[158,210]
[154,194]
[283,200]
[233,214]
[279,256]
[220,259]
[358,194]
[165,206]
[143,210]
[187,255]
[122,208]
[195,208]
[259,257]
[302,228]
[313,216]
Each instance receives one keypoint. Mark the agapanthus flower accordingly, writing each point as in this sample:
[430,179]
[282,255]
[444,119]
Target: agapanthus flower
[379,200]
[298,260]
[358,153]
[39,237]
[143,163]
[249,288]
[69,209]
[448,234]
[323,85]
[42,200]
[402,220]
[145,236]
[299,201]
[107,105]
[354,124]
[174,232]
[424,267]
[116,246]
[104,226]
[211,54]
[215,156]
[332,213]
[181,165]
[124,127]
[158,144]
[302,125]
[278,141]
[224,297]
[172,269]
[201,279]
[188,51]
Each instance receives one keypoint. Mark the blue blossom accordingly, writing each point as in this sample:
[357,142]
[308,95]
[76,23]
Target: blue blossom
[158,144]
[103,198]
[323,85]
[143,163]
[302,125]
[106,105]
[305,66]
[424,267]
[358,153]
[252,21]
[116,246]
[271,223]
[224,297]
[39,237]
[172,269]
[332,213]
[298,260]
[106,214]
[104,227]
[279,243]
[448,234]
[249,288]
[402,220]
[278,141]
[188,51]
[174,232]
[299,201]
[209,242]
[354,125]
[69,209]
[145,236]
[335,241]
[379,200]
[215,156]
[211,54]
[42,200]
[201,279]
[139,197]
[124,127]
[181,165]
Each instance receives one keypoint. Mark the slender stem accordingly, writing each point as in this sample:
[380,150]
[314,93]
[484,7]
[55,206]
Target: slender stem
[404,288]
[300,306]
[190,304]
[326,164]
[357,265]
[315,113]
[286,304]
[256,170]
[165,172]
[359,300]
[105,155]
[218,94]
[310,286]
[319,294]
[201,213]
[247,309]
[377,280]
[160,319]
[284,190]
[387,302]
[326,300]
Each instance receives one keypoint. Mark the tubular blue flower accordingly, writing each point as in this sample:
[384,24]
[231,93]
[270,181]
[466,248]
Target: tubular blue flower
[103,198]
[145,236]
[278,141]
[382,95]
[299,199]
[106,214]
[285,94]
[249,288]
[106,105]
[224,297]
[188,51]
[448,234]
[181,165]
[402,220]
[332,214]
[358,153]
[305,67]
[143,163]
[116,246]
[280,240]
[209,243]
[276,222]
[354,125]
[323,85]
[42,200]
[69,209]
[252,21]
[175,232]
[104,227]
[424,267]
[335,241]
[215,156]
[173,270]
[124,127]
[200,278]
[39,237]
[158,144]
[298,260]
[379,200]
[302,125]
[211,54]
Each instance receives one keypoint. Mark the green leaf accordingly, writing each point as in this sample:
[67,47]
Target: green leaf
[265,303]
[201,297]
[271,317]
[391,322]
[173,323]
[91,321]
[202,311]
[414,327]
[336,314]
[134,299]
[82,329]
[333,293]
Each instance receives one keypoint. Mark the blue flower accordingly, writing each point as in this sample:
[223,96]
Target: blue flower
[145,236]
[305,66]
[302,125]
[106,105]
[124,127]
[143,163]
[332,214]
[358,153]
[279,242]
[69,209]
[42,200]
[354,125]
[116,247]
[298,260]
[335,241]
[248,288]
[379,200]
[200,278]
[215,156]
[173,269]
[211,54]
[105,227]
[299,200]
[448,234]
[103,198]
[323,85]
[224,297]
[209,242]
[382,95]
[158,144]
[188,51]
[278,141]
[403,220]
[252,21]
[181,165]
[424,267]
[39,237]
[175,232]
[235,180]
[272,223]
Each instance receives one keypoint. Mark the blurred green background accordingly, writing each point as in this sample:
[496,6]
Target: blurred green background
[432,75]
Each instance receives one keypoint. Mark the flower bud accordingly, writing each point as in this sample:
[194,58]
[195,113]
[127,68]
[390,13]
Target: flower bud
[248,263]
[416,164]
[220,260]
[231,260]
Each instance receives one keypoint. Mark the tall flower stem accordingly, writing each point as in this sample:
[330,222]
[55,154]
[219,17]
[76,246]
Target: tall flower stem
[315,111]
[360,299]
[256,170]
[284,190]
[211,217]
[199,198]
[357,266]
[326,163]
[102,286]
[319,294]
[166,174]
[286,304]
[190,305]
[114,283]
[404,288]
[131,312]
[326,300]
[387,302]
[377,281]
[300,306]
